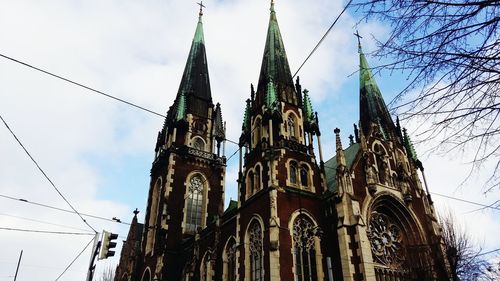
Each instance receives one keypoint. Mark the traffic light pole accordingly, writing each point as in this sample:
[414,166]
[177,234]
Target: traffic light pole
[95,252]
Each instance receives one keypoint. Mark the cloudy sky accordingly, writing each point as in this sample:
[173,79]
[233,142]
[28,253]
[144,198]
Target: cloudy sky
[99,152]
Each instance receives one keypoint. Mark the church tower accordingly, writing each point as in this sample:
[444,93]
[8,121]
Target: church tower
[387,227]
[187,176]
[280,180]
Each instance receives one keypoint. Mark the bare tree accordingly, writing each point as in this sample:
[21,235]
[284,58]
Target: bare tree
[464,257]
[450,50]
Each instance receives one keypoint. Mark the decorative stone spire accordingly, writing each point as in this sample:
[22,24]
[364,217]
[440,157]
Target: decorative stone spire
[218,124]
[410,150]
[246,118]
[340,151]
[373,110]
[271,98]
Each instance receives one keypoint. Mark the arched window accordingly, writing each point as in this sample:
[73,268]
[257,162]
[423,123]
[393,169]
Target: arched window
[194,203]
[250,183]
[291,127]
[304,174]
[198,143]
[146,276]
[257,179]
[153,215]
[257,132]
[304,251]
[230,261]
[205,268]
[293,172]
[255,251]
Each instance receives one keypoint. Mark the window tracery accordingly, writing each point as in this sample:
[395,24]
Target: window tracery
[255,247]
[231,261]
[304,249]
[194,203]
[386,240]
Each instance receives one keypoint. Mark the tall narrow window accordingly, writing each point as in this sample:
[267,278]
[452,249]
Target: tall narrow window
[251,183]
[255,247]
[304,174]
[231,261]
[153,215]
[194,204]
[304,253]
[291,127]
[293,172]
[257,132]
[257,179]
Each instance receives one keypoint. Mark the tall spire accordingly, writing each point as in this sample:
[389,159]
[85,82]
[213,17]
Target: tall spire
[195,80]
[373,109]
[274,62]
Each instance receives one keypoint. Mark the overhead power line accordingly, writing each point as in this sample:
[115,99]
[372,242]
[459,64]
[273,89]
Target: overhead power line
[81,85]
[44,222]
[46,231]
[322,38]
[466,201]
[44,174]
[61,209]
[77,256]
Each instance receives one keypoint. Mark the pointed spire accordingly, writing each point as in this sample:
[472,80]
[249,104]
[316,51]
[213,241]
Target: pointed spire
[195,79]
[218,124]
[181,108]
[373,109]
[308,108]
[274,62]
[271,97]
[340,152]
[246,117]
[410,149]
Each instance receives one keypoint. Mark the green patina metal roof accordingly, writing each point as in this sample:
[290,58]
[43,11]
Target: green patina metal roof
[308,109]
[274,63]
[180,107]
[331,166]
[195,79]
[232,206]
[372,105]
[271,97]
[410,149]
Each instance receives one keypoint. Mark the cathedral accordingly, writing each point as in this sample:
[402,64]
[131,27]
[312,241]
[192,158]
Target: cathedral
[364,214]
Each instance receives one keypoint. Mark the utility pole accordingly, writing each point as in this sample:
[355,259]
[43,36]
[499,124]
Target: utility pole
[94,253]
[18,263]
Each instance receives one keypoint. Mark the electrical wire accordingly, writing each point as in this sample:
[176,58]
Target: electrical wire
[44,174]
[81,85]
[322,38]
[60,209]
[466,201]
[44,222]
[46,231]
[77,256]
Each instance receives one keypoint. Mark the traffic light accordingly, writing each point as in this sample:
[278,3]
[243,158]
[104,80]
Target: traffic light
[107,245]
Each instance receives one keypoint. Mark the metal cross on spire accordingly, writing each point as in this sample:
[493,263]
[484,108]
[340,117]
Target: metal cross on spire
[359,40]
[201,8]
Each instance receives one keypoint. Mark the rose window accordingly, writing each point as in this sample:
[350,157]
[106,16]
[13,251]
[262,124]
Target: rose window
[386,240]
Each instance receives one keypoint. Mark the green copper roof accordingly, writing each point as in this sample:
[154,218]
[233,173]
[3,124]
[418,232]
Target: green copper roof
[271,97]
[331,166]
[274,63]
[181,108]
[308,109]
[410,149]
[195,80]
[372,106]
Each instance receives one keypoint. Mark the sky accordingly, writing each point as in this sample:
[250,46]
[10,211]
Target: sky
[98,152]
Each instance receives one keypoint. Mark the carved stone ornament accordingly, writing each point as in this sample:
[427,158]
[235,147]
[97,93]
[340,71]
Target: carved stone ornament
[386,240]
[303,234]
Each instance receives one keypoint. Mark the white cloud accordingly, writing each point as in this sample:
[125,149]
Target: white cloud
[137,50]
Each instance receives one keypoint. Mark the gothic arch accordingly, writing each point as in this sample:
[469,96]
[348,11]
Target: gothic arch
[306,246]
[198,143]
[256,130]
[292,125]
[146,275]
[396,239]
[195,202]
[254,250]
[229,260]
[153,214]
[253,180]
[206,271]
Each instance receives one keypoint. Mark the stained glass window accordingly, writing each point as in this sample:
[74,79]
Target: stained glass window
[304,250]
[194,204]
[255,245]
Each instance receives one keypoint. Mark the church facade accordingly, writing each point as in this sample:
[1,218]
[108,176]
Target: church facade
[362,215]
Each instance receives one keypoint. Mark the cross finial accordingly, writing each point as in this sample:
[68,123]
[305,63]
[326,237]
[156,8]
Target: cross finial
[359,40]
[201,8]
[136,211]
[272,5]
